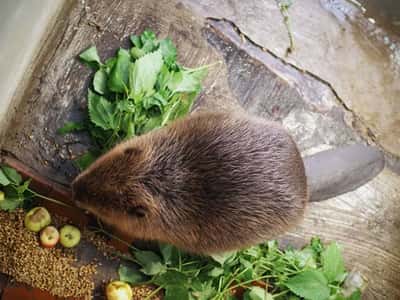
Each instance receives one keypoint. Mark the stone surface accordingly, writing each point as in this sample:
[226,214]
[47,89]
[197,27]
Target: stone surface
[332,42]
[366,223]
[268,87]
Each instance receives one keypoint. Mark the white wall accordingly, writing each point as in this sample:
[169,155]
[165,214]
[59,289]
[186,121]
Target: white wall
[23,24]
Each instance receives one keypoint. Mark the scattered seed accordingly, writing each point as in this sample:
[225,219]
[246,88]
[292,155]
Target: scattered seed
[142,291]
[52,270]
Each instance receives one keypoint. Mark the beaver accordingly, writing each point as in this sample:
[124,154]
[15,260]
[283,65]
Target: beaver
[208,183]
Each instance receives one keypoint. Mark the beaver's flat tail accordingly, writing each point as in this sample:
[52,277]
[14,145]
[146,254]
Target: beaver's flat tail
[337,171]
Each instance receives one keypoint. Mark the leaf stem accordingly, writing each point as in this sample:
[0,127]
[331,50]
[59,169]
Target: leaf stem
[203,67]
[116,238]
[280,294]
[126,257]
[153,293]
[49,198]
[180,260]
[249,281]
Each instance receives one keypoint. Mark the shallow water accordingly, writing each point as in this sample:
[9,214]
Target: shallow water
[386,13]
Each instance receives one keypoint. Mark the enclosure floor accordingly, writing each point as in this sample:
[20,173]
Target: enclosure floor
[337,87]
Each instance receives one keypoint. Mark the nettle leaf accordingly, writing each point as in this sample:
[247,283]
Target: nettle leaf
[91,57]
[127,110]
[12,175]
[144,44]
[187,81]
[143,73]
[11,204]
[136,41]
[175,292]
[316,245]
[127,125]
[126,106]
[99,136]
[338,297]
[147,36]
[221,258]
[12,199]
[151,124]
[71,127]
[149,102]
[85,160]
[170,112]
[101,111]
[109,64]
[137,52]
[179,107]
[119,75]
[356,295]
[22,188]
[257,293]
[174,79]
[203,290]
[310,284]
[100,81]
[215,272]
[248,274]
[166,252]
[332,263]
[149,41]
[163,79]
[185,105]
[130,274]
[168,51]
[303,258]
[171,277]
[3,179]
[150,261]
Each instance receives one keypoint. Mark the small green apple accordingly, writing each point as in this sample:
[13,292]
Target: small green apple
[69,236]
[37,218]
[118,290]
[49,237]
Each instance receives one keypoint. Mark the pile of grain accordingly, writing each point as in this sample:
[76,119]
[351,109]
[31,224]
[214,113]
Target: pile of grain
[99,241]
[143,291]
[49,269]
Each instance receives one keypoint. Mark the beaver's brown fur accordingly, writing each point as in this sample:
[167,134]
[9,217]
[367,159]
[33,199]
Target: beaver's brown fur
[208,183]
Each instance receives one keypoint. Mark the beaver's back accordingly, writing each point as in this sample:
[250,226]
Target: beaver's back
[234,180]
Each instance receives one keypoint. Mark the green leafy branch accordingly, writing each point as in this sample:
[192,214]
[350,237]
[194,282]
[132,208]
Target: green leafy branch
[14,192]
[138,90]
[315,272]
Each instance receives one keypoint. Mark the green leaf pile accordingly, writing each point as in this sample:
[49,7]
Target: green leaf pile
[262,272]
[138,90]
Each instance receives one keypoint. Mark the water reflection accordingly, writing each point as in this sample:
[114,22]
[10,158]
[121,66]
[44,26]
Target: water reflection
[386,13]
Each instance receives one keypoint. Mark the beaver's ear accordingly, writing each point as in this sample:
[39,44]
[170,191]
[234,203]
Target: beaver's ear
[143,206]
[138,211]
